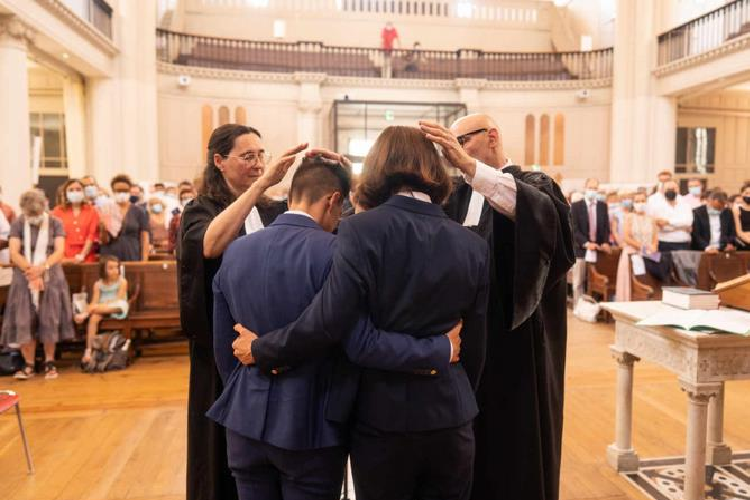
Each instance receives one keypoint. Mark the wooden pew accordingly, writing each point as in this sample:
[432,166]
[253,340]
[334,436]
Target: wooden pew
[720,267]
[602,275]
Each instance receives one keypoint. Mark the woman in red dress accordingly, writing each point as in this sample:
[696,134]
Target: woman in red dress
[80,220]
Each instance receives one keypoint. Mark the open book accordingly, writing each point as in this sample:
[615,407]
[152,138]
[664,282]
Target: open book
[719,320]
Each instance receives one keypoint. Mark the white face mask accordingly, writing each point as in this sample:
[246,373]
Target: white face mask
[122,197]
[185,201]
[74,196]
[89,191]
[639,207]
[36,220]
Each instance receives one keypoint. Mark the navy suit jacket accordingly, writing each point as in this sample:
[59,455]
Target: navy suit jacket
[265,281]
[412,270]
[701,233]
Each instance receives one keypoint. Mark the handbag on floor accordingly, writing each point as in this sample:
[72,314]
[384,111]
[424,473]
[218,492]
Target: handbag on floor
[587,309]
[109,352]
[11,360]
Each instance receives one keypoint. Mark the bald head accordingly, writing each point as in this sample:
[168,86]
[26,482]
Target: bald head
[481,139]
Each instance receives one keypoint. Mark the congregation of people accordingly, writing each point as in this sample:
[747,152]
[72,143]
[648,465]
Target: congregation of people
[649,225]
[85,223]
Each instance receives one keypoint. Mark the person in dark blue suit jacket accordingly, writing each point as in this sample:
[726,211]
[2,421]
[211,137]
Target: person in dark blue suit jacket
[280,442]
[411,269]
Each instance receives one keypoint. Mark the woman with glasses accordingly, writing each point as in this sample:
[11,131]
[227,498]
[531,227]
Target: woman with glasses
[230,203]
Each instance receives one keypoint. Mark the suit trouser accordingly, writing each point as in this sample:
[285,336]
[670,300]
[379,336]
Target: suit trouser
[264,472]
[427,465]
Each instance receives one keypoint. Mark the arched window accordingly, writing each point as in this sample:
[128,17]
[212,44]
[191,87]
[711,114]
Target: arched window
[240,115]
[530,141]
[544,140]
[558,151]
[207,126]
[223,115]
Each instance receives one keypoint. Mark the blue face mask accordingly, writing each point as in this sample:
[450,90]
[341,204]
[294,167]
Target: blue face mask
[601,197]
[74,196]
[591,195]
[90,191]
[713,211]
[627,203]
[157,209]
[695,190]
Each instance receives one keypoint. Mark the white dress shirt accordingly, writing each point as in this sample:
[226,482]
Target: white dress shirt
[680,220]
[494,185]
[714,220]
[691,200]
[253,221]
[299,212]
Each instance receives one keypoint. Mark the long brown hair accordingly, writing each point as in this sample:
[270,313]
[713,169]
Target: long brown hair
[222,139]
[402,158]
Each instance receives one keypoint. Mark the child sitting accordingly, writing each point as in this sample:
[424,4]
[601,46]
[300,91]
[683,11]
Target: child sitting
[109,298]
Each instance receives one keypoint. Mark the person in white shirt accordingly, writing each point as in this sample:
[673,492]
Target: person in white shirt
[674,219]
[693,198]
[657,197]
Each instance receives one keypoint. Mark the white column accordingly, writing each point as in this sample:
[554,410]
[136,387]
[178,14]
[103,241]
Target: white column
[643,123]
[102,141]
[75,126]
[718,451]
[469,93]
[695,457]
[620,455]
[309,105]
[15,168]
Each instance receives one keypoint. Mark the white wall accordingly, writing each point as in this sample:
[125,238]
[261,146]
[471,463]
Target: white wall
[273,108]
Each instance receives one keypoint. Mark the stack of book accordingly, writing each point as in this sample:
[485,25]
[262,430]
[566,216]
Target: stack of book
[690,298]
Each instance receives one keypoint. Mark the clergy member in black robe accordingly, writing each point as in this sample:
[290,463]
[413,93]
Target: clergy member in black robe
[208,474]
[519,427]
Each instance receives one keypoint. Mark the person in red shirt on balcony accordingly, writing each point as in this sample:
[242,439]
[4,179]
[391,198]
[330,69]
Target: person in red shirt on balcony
[80,220]
[388,37]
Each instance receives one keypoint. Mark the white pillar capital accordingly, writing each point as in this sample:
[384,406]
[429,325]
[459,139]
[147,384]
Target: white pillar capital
[13,30]
[699,392]
[623,358]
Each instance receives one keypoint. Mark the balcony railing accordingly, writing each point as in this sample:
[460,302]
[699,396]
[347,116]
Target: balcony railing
[193,50]
[706,32]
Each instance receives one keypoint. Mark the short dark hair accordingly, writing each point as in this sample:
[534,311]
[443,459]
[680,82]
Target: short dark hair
[159,185]
[403,158]
[221,142]
[120,178]
[719,196]
[317,177]
[103,261]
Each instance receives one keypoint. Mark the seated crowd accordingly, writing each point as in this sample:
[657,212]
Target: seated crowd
[87,224]
[649,227]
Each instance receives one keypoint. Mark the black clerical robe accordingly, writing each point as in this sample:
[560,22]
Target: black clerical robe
[520,396]
[208,475]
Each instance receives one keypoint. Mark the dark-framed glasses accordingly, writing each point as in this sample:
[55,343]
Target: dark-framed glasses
[463,139]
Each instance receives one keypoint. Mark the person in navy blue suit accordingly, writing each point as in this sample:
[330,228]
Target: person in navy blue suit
[287,433]
[411,269]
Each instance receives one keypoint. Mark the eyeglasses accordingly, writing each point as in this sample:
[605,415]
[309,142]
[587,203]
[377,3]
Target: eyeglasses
[463,139]
[252,158]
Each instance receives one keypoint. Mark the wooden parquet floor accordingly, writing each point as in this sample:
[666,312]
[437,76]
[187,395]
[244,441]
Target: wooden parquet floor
[119,436]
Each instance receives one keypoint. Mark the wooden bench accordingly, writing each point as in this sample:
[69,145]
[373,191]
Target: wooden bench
[720,267]
[602,275]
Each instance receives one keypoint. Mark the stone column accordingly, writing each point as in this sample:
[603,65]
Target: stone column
[620,455]
[309,105]
[718,451]
[469,93]
[75,129]
[643,122]
[695,459]
[15,168]
[103,144]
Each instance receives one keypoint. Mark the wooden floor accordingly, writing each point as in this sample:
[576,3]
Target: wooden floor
[122,435]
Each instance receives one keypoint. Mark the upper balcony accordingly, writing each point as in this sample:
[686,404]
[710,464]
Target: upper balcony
[289,57]
[711,50]
[97,12]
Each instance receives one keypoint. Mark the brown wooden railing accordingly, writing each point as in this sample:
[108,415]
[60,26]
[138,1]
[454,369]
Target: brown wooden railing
[287,57]
[706,32]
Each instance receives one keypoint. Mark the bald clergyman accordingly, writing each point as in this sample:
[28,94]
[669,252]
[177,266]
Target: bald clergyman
[526,220]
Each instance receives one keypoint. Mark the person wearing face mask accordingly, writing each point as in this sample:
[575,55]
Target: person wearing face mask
[187,194]
[590,216]
[156,217]
[640,237]
[80,220]
[674,219]
[131,242]
[618,211]
[38,307]
[658,196]
[741,212]
[693,197]
[713,226]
